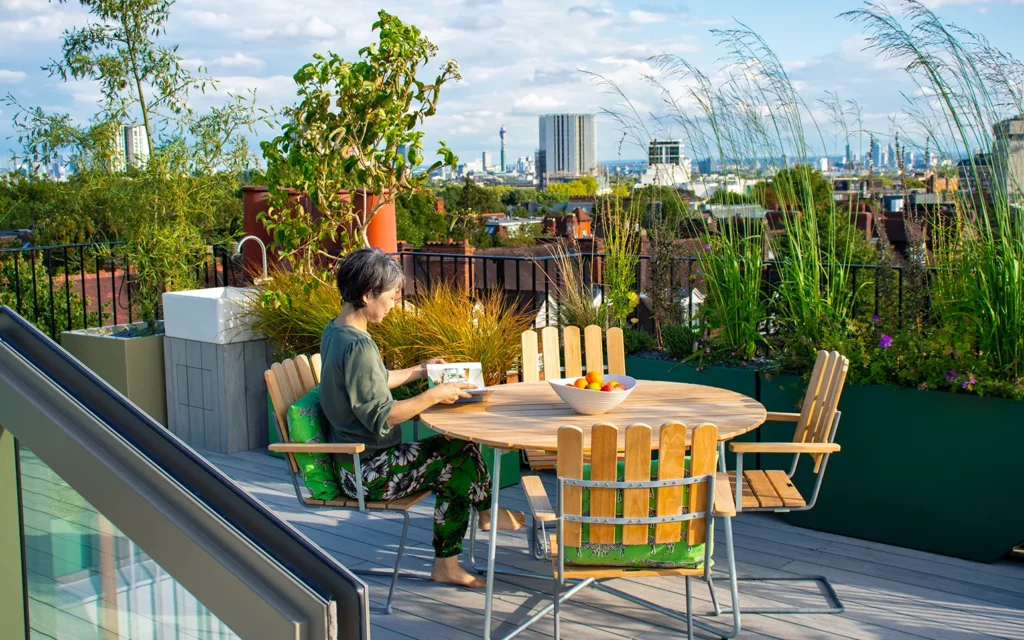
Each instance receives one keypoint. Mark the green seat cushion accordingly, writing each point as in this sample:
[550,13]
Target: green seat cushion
[307,423]
[675,555]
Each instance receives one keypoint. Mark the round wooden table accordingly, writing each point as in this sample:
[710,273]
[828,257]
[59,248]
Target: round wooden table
[527,416]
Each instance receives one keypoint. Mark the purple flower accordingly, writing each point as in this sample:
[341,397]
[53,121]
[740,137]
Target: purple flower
[972,381]
[963,385]
[951,375]
[707,350]
[707,247]
[699,270]
[875,319]
[885,342]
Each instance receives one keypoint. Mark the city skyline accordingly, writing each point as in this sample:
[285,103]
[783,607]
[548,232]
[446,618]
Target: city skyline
[517,62]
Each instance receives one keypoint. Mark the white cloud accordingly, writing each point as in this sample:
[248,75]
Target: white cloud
[646,17]
[239,60]
[206,18]
[11,77]
[532,102]
[315,28]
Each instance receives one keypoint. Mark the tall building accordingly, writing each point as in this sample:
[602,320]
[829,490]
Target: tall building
[666,165]
[132,147]
[501,134]
[488,160]
[1008,157]
[848,160]
[568,145]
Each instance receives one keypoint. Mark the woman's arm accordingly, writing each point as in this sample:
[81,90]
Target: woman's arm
[399,377]
[443,393]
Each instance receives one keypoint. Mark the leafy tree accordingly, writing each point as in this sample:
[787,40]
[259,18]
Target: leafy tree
[584,186]
[345,134]
[120,52]
[417,220]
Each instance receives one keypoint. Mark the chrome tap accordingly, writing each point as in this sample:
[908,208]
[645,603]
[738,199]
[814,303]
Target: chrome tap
[263,248]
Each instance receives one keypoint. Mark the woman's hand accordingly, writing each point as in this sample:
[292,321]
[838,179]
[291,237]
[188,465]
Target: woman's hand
[449,392]
[421,368]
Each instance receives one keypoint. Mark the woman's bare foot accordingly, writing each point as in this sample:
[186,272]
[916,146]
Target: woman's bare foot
[449,571]
[507,520]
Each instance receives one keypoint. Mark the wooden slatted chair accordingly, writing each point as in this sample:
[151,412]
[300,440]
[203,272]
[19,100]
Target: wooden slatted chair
[616,536]
[574,363]
[288,382]
[773,490]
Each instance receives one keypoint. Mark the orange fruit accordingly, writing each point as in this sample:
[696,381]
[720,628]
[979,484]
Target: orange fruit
[595,377]
[581,383]
[594,386]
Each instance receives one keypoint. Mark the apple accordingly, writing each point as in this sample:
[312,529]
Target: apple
[594,386]
[608,387]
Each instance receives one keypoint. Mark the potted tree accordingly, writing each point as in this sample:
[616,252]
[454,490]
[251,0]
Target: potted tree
[348,148]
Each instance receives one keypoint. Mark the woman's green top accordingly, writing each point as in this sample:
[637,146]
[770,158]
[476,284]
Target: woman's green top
[354,390]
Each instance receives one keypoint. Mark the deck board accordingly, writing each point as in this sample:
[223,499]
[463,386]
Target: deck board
[890,592]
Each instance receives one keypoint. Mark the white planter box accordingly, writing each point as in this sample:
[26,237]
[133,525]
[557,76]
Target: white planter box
[207,315]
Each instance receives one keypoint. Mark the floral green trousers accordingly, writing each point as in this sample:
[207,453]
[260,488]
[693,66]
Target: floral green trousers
[453,470]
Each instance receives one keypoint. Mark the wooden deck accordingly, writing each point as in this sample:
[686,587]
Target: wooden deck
[889,592]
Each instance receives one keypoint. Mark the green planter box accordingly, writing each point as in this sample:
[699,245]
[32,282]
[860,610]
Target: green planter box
[928,470]
[133,366]
[740,380]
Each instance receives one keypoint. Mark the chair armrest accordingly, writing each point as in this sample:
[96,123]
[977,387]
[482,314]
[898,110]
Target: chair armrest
[725,503]
[779,416]
[540,505]
[315,447]
[783,447]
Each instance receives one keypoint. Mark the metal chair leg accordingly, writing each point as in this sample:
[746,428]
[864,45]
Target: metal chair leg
[386,608]
[830,594]
[689,611]
[398,560]
[714,597]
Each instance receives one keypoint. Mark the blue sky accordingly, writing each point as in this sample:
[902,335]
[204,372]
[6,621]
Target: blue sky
[519,58]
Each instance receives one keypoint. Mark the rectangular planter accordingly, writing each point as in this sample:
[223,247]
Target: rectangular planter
[928,470]
[215,393]
[133,366]
[738,379]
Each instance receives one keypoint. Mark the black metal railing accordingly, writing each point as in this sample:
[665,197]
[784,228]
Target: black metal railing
[79,286]
[89,285]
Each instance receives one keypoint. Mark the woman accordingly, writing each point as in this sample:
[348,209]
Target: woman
[356,398]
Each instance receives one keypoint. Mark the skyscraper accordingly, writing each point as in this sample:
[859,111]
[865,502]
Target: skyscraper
[131,148]
[501,134]
[1008,157]
[488,160]
[568,145]
[848,160]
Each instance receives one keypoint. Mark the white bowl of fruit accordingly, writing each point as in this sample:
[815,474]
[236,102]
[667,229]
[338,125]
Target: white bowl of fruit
[594,393]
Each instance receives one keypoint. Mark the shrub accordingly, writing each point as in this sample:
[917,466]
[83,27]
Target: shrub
[637,341]
[679,339]
[445,323]
[50,313]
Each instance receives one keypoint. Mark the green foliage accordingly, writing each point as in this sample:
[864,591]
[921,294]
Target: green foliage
[679,339]
[572,290]
[291,309]
[734,309]
[724,196]
[119,51]
[446,323]
[621,256]
[345,134]
[417,220]
[584,186]
[36,302]
[470,197]
[637,341]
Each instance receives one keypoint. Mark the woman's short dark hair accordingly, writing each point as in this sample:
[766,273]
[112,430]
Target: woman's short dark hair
[367,271]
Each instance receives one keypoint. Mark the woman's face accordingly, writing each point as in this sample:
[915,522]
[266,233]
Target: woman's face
[377,307]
